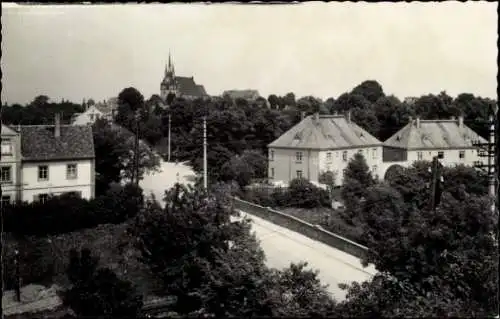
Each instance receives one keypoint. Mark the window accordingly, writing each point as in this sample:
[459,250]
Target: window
[329,156]
[272,172]
[298,156]
[344,156]
[461,154]
[5,199]
[71,172]
[6,147]
[419,156]
[6,176]
[374,153]
[271,155]
[43,172]
[74,194]
[440,154]
[374,168]
[299,174]
[42,198]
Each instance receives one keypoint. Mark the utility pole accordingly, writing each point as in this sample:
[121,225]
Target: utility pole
[489,150]
[18,279]
[205,173]
[169,125]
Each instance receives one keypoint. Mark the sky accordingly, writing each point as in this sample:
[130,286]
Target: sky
[315,48]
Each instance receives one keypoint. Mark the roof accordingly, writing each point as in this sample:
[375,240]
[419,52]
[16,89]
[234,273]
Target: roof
[104,108]
[328,132]
[434,134]
[39,143]
[7,131]
[242,94]
[187,86]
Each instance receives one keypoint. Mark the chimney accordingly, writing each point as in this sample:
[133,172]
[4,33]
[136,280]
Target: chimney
[461,121]
[349,116]
[57,126]
[418,121]
[302,115]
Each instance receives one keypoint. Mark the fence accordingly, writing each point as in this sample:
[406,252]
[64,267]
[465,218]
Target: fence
[315,232]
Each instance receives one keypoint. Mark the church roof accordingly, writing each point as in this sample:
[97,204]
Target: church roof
[187,86]
[242,94]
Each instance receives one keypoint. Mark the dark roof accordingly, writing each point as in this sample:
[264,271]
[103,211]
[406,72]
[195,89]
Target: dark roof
[187,86]
[327,132]
[242,94]
[434,134]
[201,90]
[39,143]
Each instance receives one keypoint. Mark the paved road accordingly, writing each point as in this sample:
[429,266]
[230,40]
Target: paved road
[281,246]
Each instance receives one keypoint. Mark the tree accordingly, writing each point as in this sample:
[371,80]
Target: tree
[357,178]
[99,292]
[243,168]
[114,155]
[392,115]
[289,99]
[302,193]
[273,101]
[371,90]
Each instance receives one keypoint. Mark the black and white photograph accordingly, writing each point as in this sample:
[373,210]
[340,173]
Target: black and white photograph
[249,160]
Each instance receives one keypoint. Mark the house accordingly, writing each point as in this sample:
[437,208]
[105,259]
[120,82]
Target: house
[53,159]
[321,143]
[250,95]
[180,86]
[10,163]
[420,140]
[102,110]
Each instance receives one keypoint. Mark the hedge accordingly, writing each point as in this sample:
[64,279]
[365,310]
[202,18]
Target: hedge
[67,213]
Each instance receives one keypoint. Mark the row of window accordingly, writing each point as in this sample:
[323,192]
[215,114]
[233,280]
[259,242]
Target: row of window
[299,155]
[299,173]
[461,155]
[6,199]
[43,173]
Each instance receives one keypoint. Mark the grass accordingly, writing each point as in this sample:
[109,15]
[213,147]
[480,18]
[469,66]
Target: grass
[328,218]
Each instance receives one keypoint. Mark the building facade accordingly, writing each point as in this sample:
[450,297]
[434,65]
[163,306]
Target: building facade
[10,163]
[321,143]
[94,112]
[179,86]
[421,140]
[52,160]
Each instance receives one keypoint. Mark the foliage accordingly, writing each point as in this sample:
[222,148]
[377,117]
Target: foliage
[114,155]
[99,292]
[304,194]
[214,266]
[66,213]
[370,90]
[243,169]
[357,178]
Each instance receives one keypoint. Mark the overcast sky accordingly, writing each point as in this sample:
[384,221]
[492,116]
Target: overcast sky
[320,49]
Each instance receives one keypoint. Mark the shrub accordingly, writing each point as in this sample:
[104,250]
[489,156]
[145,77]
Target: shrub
[303,194]
[67,213]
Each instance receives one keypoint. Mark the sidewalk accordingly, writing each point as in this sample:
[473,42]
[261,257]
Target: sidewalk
[34,298]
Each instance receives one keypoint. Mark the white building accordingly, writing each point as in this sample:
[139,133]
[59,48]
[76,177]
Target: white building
[420,140]
[94,112]
[10,163]
[321,143]
[53,159]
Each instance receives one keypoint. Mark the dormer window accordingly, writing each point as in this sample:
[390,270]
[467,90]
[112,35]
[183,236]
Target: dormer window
[398,138]
[297,136]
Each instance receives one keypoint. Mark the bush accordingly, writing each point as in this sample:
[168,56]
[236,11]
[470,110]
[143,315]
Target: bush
[35,259]
[303,194]
[67,213]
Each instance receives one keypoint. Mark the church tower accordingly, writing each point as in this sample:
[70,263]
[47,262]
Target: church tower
[168,85]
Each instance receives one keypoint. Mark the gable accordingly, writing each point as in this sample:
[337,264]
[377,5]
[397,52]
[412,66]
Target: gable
[7,131]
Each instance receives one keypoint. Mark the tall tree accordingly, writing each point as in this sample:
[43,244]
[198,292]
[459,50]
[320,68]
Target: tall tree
[370,89]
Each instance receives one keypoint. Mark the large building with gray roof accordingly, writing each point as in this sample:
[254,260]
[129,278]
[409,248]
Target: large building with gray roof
[321,143]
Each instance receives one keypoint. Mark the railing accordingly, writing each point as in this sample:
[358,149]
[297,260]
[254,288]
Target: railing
[315,232]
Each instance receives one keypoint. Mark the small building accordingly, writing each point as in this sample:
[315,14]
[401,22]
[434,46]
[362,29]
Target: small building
[10,163]
[421,140]
[321,143]
[49,160]
[249,95]
[101,110]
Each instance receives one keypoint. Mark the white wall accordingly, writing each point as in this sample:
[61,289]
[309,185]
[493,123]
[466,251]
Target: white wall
[57,182]
[13,161]
[315,162]
[373,157]
[85,117]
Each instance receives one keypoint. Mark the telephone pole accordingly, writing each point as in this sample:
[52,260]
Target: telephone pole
[205,174]
[135,174]
[169,124]
[488,150]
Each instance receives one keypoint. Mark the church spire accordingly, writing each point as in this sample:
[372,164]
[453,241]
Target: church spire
[169,61]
